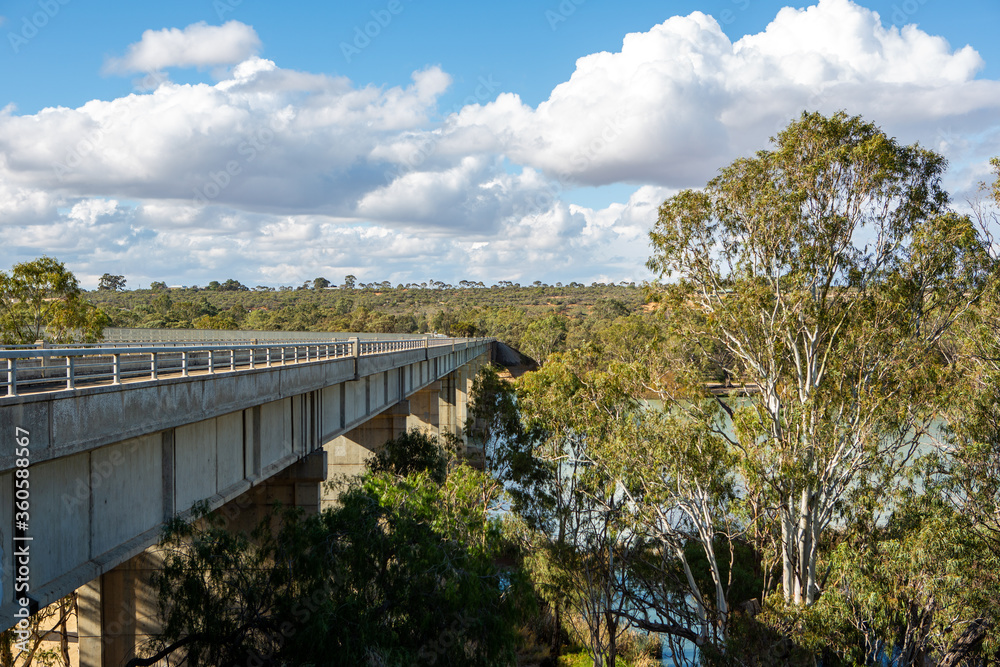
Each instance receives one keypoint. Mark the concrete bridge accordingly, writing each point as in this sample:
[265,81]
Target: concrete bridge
[100,445]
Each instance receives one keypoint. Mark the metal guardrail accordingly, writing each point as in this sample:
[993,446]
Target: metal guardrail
[246,336]
[58,368]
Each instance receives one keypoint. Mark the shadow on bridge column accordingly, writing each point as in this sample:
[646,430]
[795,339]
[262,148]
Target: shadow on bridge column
[464,378]
[425,410]
[119,611]
[439,408]
[347,454]
[296,486]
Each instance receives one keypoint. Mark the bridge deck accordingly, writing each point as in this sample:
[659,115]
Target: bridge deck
[32,370]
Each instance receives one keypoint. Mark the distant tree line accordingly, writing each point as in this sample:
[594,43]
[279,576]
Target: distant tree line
[115,283]
[537,320]
[42,300]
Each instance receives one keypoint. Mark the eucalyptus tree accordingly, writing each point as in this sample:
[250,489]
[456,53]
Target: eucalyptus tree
[111,283]
[920,589]
[826,271]
[631,509]
[966,474]
[972,482]
[544,336]
[563,416]
[42,299]
[678,484]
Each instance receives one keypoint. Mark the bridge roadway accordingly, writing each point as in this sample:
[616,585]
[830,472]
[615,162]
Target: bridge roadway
[123,438]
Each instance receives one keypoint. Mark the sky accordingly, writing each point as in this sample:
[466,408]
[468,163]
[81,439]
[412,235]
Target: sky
[406,140]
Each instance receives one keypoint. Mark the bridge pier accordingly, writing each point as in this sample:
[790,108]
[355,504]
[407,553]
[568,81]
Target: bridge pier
[442,407]
[296,486]
[439,408]
[472,451]
[119,610]
[348,454]
[425,410]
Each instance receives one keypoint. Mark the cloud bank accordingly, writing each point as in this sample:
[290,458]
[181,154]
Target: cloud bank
[273,175]
[680,100]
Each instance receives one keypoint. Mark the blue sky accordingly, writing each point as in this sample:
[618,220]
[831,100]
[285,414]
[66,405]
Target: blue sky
[191,141]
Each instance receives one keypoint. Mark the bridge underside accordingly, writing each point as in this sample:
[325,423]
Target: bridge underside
[292,429]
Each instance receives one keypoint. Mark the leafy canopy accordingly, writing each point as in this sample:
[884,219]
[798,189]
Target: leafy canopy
[42,300]
[823,273]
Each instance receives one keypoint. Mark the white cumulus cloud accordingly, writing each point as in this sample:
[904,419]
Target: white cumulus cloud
[198,45]
[264,139]
[680,100]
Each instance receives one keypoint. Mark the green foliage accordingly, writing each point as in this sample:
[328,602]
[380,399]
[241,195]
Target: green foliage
[920,588]
[609,309]
[840,341]
[225,322]
[544,337]
[233,286]
[411,452]
[850,356]
[509,448]
[38,644]
[637,649]
[403,572]
[40,300]
[584,418]
[110,283]
[468,311]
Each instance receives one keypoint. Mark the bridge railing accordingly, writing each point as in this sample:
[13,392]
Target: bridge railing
[116,335]
[55,368]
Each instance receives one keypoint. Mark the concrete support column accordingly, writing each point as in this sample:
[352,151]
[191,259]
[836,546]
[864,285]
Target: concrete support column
[295,486]
[88,606]
[447,409]
[474,451]
[453,409]
[463,390]
[118,612]
[298,485]
[348,454]
[424,410]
